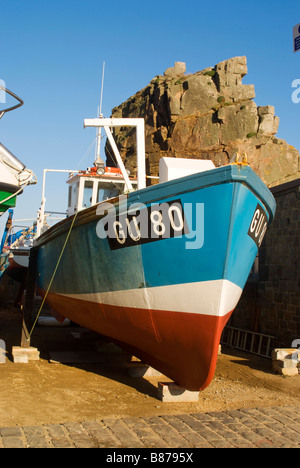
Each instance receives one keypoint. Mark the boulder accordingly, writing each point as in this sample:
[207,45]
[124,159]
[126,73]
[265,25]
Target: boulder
[209,114]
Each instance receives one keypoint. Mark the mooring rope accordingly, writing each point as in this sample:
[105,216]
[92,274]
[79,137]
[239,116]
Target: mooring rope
[52,278]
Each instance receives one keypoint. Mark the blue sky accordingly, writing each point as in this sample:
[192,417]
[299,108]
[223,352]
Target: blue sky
[52,55]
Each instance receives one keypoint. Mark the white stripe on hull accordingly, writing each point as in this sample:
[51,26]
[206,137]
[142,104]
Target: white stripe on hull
[214,298]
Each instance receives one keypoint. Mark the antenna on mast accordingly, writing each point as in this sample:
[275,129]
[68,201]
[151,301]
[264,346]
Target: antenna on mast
[103,69]
[99,163]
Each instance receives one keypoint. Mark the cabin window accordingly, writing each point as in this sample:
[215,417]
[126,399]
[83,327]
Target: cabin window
[107,190]
[70,196]
[87,194]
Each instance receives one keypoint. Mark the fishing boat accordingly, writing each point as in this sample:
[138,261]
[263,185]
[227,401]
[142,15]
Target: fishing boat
[156,269]
[14,177]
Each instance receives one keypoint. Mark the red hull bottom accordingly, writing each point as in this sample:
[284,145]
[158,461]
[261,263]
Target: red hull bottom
[183,346]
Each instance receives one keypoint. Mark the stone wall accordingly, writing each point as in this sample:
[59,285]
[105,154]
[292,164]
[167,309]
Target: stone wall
[208,115]
[270,303]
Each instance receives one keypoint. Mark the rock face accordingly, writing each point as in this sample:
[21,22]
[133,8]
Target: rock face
[206,115]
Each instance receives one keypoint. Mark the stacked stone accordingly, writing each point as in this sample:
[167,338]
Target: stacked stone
[286,361]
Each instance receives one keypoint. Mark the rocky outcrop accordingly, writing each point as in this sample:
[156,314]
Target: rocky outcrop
[206,115]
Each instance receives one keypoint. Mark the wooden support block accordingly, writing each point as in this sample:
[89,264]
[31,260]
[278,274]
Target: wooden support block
[20,359]
[170,392]
[2,352]
[285,361]
[138,369]
[285,364]
[24,355]
[289,371]
[285,353]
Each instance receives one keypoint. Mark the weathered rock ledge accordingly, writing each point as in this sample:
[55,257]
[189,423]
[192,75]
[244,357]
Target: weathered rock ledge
[208,115]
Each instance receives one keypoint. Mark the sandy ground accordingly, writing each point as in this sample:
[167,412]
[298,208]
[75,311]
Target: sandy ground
[43,392]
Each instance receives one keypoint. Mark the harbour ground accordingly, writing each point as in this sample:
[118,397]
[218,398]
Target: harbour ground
[79,394]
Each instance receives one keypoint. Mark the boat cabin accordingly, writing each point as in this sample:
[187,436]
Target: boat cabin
[86,188]
[100,183]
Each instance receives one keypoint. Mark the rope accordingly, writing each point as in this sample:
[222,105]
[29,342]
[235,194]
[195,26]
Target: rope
[12,195]
[52,278]
[20,189]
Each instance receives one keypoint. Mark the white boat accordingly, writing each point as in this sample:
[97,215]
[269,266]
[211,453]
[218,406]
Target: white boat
[14,177]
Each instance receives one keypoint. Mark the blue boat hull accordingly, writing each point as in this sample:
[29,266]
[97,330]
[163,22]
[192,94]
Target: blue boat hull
[166,298]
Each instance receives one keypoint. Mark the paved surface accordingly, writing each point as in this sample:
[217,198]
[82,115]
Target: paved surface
[245,428]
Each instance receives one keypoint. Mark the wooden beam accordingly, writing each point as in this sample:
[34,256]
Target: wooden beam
[29,298]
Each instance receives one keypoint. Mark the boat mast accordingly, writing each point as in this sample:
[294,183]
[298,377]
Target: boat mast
[138,123]
[98,161]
